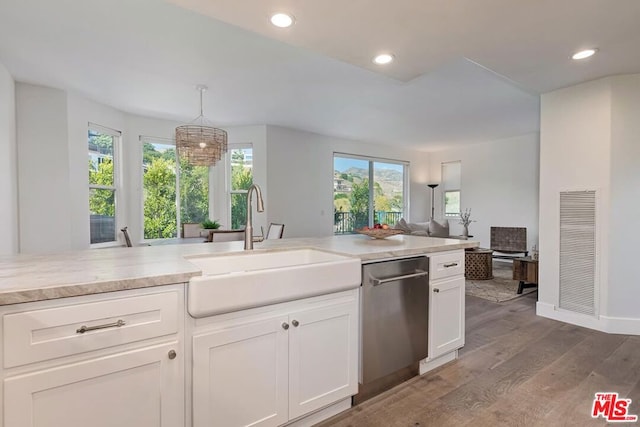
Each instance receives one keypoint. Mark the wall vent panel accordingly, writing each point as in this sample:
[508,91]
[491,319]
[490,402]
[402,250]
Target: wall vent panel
[578,251]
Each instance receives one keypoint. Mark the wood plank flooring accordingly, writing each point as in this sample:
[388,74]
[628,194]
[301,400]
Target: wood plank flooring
[516,369]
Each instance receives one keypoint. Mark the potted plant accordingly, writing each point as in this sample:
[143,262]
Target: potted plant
[465,220]
[208,227]
[207,224]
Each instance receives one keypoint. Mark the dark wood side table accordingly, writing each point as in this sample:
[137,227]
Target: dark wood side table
[525,269]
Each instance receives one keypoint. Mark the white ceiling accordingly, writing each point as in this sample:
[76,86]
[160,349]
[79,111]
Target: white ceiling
[466,71]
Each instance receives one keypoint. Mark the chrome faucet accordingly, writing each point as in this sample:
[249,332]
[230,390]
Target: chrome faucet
[248,229]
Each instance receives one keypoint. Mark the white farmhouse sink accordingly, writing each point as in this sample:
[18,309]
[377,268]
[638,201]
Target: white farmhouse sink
[251,279]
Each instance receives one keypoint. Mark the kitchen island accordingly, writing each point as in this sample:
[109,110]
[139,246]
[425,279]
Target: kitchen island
[107,335]
[27,278]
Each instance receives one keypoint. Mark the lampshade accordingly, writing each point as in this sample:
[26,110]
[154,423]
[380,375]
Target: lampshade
[199,143]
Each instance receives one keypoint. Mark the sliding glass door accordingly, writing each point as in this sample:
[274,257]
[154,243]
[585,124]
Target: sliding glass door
[367,191]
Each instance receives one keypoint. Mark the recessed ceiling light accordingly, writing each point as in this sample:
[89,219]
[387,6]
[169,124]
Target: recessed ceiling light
[584,54]
[383,58]
[282,20]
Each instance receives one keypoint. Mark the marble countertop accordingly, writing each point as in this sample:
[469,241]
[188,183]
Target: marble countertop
[27,278]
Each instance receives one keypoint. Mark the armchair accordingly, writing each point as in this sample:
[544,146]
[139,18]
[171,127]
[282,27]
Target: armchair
[510,242]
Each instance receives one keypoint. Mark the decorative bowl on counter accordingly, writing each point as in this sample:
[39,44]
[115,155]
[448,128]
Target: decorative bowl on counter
[379,233]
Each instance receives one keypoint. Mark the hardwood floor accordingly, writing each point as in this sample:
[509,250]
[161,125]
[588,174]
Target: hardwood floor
[516,369]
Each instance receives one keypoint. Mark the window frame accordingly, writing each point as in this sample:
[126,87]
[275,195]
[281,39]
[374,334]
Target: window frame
[372,160]
[228,179]
[179,229]
[166,141]
[116,188]
[446,190]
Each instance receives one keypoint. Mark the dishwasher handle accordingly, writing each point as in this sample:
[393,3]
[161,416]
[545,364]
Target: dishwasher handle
[418,273]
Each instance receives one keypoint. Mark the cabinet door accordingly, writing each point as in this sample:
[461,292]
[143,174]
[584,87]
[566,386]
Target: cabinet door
[240,375]
[323,356]
[139,388]
[446,316]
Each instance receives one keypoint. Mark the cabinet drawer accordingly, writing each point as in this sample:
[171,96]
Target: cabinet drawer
[446,265]
[48,333]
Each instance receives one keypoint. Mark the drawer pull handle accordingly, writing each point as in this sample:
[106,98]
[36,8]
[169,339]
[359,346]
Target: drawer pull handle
[436,290]
[84,329]
[453,264]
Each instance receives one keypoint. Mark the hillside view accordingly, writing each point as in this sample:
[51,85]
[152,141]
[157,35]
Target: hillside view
[352,190]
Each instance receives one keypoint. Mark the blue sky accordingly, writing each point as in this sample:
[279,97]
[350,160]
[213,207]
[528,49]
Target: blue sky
[341,164]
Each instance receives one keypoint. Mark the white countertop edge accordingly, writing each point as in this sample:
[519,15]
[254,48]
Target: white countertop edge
[30,278]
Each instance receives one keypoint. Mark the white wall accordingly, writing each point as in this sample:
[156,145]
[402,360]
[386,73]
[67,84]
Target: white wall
[624,278]
[499,184]
[300,178]
[52,163]
[43,171]
[574,155]
[590,140]
[8,162]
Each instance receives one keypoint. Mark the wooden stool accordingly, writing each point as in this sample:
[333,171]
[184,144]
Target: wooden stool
[478,264]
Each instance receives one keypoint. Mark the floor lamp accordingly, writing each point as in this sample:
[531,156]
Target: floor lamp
[433,189]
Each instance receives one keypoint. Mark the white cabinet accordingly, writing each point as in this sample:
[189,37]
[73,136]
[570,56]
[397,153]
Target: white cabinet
[446,303]
[138,388]
[446,316]
[240,375]
[102,360]
[269,366]
[323,357]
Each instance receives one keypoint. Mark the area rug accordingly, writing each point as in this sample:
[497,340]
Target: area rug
[501,288]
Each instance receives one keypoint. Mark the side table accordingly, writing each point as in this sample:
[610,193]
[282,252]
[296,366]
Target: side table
[478,264]
[525,269]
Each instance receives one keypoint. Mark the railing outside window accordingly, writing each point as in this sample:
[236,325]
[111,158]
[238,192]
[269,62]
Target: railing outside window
[347,222]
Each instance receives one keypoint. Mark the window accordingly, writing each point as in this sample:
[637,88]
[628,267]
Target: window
[103,148]
[367,191]
[172,195]
[451,173]
[241,170]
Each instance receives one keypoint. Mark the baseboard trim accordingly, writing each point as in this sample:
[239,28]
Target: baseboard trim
[621,325]
[608,324]
[427,365]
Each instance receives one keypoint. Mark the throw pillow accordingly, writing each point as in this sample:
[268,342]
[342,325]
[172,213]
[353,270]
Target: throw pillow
[418,226]
[437,229]
[402,225]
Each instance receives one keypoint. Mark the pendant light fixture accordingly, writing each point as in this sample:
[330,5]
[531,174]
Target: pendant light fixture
[199,143]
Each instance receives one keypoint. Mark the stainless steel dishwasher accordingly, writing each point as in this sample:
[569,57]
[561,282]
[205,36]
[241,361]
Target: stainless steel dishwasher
[395,304]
